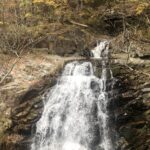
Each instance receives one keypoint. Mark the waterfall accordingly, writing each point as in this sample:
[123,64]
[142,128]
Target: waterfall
[75,115]
[101,50]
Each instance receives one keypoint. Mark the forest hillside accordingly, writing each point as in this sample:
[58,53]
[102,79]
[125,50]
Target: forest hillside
[38,37]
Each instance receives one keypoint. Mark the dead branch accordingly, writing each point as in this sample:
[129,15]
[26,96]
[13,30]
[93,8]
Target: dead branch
[140,72]
[13,65]
[19,56]
[79,24]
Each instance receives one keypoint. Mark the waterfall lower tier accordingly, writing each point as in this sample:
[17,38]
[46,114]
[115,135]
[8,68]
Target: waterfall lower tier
[75,116]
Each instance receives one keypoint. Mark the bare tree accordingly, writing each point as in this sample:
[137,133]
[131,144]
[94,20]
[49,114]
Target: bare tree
[14,39]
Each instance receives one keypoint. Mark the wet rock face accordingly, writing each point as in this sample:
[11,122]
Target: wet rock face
[132,110]
[24,114]
[17,146]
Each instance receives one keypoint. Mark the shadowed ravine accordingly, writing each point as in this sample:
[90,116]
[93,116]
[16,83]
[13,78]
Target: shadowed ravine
[75,115]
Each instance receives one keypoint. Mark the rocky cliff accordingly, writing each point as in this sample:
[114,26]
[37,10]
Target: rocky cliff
[72,37]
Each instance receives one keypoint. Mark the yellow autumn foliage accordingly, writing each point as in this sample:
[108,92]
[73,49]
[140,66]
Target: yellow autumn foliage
[88,1]
[141,7]
[27,15]
[47,2]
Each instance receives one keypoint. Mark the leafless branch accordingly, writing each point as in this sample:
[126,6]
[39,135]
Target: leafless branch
[17,46]
[9,71]
[79,24]
[140,72]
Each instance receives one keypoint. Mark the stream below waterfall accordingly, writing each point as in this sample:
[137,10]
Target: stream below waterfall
[75,115]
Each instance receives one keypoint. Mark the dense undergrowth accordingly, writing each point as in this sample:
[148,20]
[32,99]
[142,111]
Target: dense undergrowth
[29,22]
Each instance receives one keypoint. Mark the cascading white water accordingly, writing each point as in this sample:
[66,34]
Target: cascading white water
[75,116]
[101,50]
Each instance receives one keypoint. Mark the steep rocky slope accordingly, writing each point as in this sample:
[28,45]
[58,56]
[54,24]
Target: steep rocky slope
[22,93]
[133,105]
[74,34]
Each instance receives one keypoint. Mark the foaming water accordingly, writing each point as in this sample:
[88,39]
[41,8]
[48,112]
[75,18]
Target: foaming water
[101,50]
[75,116]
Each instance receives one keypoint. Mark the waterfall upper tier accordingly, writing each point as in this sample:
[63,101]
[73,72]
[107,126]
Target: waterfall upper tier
[76,68]
[101,50]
